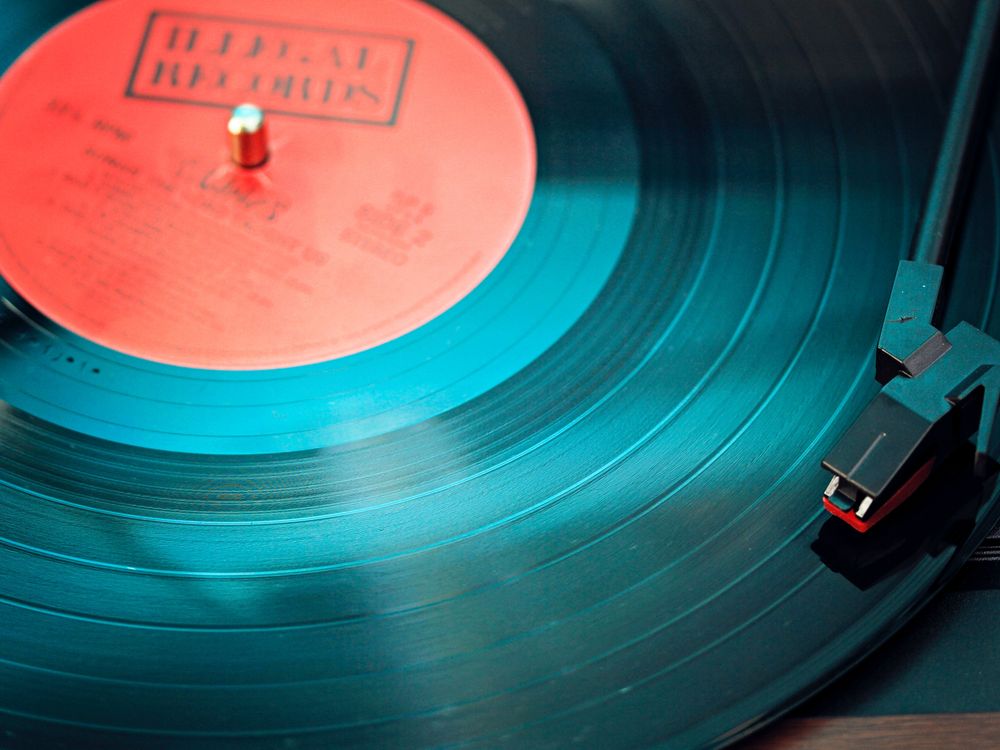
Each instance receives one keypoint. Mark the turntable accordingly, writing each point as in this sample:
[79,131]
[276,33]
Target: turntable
[469,373]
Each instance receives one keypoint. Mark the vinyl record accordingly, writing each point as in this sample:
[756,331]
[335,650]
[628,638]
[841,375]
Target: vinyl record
[580,501]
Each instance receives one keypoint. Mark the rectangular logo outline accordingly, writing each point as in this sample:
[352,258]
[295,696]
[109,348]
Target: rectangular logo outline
[154,15]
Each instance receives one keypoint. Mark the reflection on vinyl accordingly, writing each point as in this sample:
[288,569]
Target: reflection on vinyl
[489,409]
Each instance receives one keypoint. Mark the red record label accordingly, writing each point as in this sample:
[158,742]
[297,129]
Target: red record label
[402,167]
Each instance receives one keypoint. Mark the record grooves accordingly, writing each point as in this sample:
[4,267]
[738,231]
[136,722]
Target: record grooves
[579,505]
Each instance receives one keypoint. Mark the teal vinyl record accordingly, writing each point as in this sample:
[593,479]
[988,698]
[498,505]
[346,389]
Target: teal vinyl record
[578,505]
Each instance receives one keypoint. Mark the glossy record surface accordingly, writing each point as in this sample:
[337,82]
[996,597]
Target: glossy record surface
[620,545]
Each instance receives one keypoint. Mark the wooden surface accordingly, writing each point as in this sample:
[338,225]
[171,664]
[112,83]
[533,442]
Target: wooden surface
[917,732]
